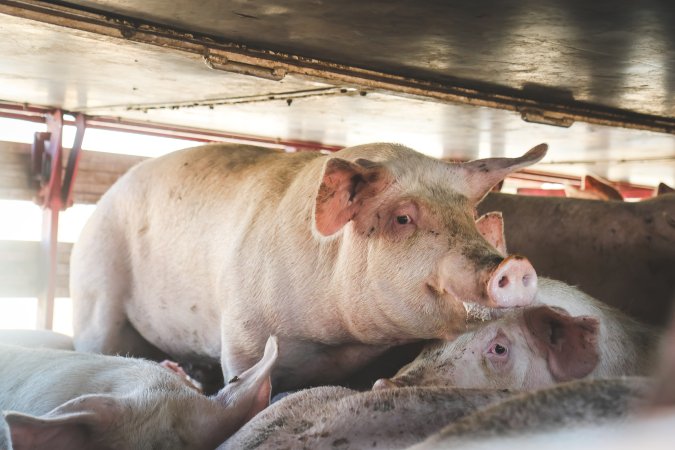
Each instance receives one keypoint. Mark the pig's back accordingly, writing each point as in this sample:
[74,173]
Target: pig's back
[36,381]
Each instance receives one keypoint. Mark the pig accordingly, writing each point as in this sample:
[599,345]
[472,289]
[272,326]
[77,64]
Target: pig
[203,253]
[56,399]
[573,404]
[594,188]
[336,417]
[509,352]
[580,337]
[621,253]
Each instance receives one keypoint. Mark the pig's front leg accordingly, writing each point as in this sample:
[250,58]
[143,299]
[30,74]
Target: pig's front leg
[310,364]
[302,363]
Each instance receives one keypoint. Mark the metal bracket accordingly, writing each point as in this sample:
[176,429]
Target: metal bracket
[56,185]
[55,194]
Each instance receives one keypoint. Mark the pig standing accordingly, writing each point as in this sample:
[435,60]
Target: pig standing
[205,252]
[54,399]
[622,253]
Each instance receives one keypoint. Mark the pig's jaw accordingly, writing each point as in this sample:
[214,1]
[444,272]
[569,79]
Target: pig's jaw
[476,312]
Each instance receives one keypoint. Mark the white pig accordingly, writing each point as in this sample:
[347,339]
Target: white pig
[203,253]
[61,400]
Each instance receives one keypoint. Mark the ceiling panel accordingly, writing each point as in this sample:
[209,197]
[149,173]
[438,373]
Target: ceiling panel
[51,65]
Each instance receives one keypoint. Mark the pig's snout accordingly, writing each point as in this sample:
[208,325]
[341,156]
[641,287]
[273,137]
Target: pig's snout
[513,283]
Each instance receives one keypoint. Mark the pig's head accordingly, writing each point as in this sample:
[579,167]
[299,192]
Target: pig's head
[170,415]
[408,240]
[528,348]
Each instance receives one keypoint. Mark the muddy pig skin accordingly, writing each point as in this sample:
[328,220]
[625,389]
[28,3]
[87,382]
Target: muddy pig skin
[63,400]
[203,253]
[568,406]
[621,253]
[336,417]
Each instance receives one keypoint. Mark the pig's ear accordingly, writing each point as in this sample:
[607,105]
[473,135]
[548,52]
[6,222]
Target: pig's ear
[75,424]
[601,188]
[569,343]
[249,393]
[345,187]
[662,189]
[491,227]
[482,174]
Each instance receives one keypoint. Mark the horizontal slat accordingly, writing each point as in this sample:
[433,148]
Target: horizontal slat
[97,171]
[20,268]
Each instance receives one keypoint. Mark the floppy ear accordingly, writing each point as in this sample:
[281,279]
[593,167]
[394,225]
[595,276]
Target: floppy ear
[569,343]
[482,174]
[491,227]
[249,393]
[75,424]
[345,187]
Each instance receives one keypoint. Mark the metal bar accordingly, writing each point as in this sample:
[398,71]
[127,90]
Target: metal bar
[51,202]
[48,253]
[226,55]
[37,114]
[72,165]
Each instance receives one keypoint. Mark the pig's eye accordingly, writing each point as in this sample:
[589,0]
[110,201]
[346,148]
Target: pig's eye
[499,350]
[403,219]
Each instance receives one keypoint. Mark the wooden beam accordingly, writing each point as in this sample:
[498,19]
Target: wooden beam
[97,172]
[20,270]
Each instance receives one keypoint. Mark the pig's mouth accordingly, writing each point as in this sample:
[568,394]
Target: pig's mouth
[476,312]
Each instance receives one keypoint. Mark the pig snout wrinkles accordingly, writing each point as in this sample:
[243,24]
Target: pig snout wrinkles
[513,283]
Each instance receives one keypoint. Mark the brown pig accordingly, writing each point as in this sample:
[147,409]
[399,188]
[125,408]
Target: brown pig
[203,253]
[622,253]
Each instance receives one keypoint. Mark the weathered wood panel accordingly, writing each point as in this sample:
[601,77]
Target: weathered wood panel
[97,172]
[20,268]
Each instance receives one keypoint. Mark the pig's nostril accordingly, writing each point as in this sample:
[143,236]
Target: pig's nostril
[503,281]
[526,280]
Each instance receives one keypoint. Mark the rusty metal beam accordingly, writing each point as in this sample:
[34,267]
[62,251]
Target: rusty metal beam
[237,57]
[37,114]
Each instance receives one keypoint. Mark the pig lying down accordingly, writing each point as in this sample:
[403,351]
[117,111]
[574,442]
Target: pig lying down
[569,336]
[597,414]
[203,253]
[574,404]
[53,399]
[336,417]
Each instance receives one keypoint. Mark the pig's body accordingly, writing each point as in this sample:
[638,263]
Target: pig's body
[203,253]
[622,253]
[624,347]
[333,417]
[54,399]
[574,404]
